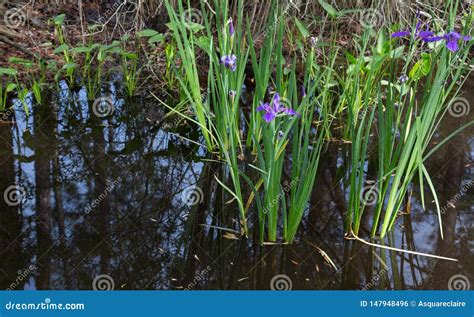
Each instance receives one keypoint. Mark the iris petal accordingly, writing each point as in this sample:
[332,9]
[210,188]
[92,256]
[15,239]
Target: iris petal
[433,39]
[229,61]
[452,45]
[276,102]
[268,116]
[264,107]
[291,112]
[400,34]
[425,34]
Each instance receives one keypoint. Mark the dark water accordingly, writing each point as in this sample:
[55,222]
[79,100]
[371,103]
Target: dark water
[107,196]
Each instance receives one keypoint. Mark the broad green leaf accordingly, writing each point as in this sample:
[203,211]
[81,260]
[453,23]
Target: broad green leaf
[202,41]
[380,42]
[302,28]
[10,87]
[194,27]
[8,71]
[69,66]
[147,33]
[329,9]
[130,55]
[61,49]
[59,19]
[171,26]
[81,49]
[115,44]
[398,52]
[115,50]
[21,61]
[101,55]
[421,68]
[350,58]
[52,64]
[156,38]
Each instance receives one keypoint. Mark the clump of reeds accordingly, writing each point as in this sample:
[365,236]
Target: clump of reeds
[288,126]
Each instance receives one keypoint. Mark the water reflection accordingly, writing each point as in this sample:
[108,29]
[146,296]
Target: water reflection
[102,195]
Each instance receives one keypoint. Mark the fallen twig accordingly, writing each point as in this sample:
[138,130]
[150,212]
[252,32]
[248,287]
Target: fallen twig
[353,236]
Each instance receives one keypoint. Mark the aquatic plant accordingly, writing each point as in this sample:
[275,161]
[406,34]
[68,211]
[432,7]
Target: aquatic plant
[452,38]
[405,126]
[183,36]
[229,61]
[425,35]
[70,65]
[274,109]
[129,60]
[91,76]
[269,139]
[36,81]
[13,84]
[9,74]
[283,126]
[171,68]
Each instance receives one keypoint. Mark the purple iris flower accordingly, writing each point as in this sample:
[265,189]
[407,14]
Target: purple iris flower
[303,91]
[452,40]
[270,113]
[400,34]
[403,78]
[274,109]
[425,35]
[229,61]
[231,27]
